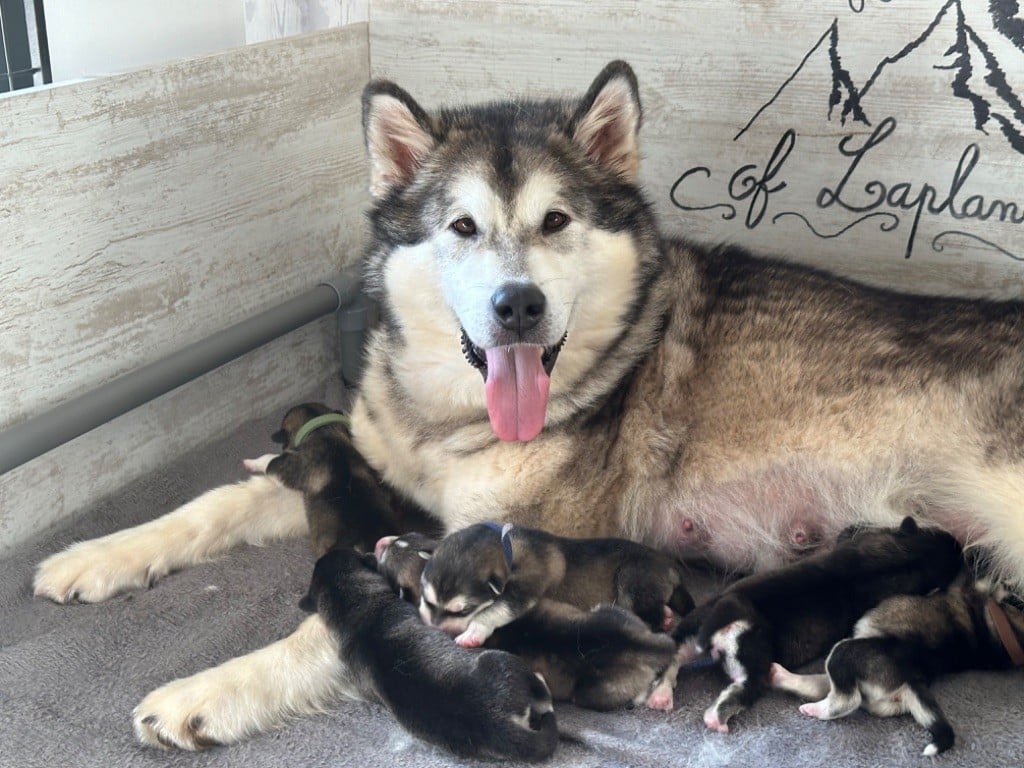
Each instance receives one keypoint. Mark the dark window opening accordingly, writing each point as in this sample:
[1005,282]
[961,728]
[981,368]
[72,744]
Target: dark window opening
[25,49]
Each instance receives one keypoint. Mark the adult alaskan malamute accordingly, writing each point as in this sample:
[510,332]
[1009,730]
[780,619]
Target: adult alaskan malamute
[546,356]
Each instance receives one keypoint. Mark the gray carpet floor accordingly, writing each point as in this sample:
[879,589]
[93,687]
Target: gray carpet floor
[70,675]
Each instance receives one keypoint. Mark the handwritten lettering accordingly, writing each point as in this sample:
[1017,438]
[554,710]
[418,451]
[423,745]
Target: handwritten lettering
[905,196]
[869,199]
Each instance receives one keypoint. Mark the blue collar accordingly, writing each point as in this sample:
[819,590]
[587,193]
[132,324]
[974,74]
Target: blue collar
[506,540]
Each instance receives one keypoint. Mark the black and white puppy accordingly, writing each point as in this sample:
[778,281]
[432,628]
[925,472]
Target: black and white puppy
[600,659]
[797,613]
[903,644]
[486,576]
[475,703]
[345,502]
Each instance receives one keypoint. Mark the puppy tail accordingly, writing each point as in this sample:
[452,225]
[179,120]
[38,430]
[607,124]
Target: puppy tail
[926,711]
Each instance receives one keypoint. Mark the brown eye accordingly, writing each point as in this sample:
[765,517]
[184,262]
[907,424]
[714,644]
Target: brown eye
[554,221]
[464,226]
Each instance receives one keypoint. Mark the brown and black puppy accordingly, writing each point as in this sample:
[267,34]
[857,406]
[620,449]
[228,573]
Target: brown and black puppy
[401,559]
[345,502]
[600,659]
[900,647]
[485,576]
[475,703]
[797,613]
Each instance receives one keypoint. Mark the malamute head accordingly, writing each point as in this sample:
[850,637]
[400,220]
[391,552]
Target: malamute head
[512,252]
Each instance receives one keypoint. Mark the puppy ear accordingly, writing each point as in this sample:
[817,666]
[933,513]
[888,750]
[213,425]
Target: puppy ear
[280,437]
[607,122]
[908,526]
[309,600]
[398,136]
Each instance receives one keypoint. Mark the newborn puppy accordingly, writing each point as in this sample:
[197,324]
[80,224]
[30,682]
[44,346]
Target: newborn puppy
[401,560]
[899,647]
[345,503]
[600,659]
[474,703]
[485,576]
[795,614]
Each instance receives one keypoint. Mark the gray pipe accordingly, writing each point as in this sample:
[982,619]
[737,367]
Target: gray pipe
[34,437]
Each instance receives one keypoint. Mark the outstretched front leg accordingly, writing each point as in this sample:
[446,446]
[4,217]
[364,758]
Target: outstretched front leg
[254,511]
[299,674]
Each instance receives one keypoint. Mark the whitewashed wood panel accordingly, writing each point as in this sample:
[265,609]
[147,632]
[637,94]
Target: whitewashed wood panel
[728,86]
[274,19]
[56,486]
[142,212]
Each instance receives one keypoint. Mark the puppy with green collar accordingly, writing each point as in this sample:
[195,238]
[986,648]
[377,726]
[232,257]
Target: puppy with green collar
[346,505]
[486,576]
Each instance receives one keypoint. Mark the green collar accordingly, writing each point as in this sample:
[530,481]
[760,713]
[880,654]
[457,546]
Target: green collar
[317,422]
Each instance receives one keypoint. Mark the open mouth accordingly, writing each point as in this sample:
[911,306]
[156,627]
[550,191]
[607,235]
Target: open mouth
[477,357]
[517,379]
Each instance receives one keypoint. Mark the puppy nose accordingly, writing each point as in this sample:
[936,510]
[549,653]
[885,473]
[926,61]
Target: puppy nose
[381,546]
[518,306]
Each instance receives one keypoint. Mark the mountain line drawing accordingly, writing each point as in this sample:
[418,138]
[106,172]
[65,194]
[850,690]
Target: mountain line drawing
[979,77]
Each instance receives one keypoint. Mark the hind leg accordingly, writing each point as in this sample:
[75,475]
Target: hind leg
[253,511]
[299,674]
[808,687]
[844,695]
[745,651]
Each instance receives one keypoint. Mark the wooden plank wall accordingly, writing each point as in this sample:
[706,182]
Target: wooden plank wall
[919,185]
[274,19]
[145,211]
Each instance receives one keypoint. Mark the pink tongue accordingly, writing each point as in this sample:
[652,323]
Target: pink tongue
[517,391]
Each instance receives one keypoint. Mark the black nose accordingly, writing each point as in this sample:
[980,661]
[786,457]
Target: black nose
[518,306]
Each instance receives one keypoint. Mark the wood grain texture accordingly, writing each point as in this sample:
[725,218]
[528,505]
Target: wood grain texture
[274,19]
[142,212]
[706,69]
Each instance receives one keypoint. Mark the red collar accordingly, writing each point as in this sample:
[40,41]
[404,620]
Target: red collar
[1006,634]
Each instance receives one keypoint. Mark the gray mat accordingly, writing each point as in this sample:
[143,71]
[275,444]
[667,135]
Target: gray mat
[70,675]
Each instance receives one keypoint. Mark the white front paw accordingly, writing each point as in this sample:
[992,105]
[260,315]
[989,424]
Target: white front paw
[192,713]
[92,571]
[473,637]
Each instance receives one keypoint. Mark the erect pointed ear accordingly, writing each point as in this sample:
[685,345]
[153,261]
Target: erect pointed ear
[398,136]
[607,121]
[908,526]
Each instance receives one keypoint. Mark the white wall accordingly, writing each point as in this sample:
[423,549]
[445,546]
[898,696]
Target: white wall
[89,38]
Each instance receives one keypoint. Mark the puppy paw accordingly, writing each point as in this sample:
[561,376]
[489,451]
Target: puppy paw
[713,721]
[661,698]
[471,638]
[669,620]
[93,571]
[259,466]
[814,709]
